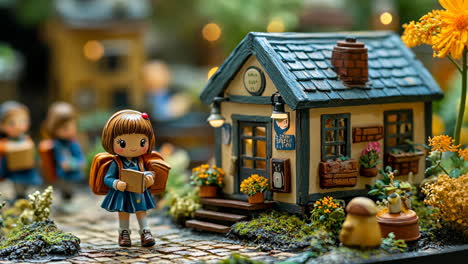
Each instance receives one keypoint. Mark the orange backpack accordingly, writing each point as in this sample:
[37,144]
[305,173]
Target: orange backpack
[48,163]
[152,162]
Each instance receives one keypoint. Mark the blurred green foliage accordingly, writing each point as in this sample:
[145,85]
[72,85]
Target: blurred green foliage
[237,18]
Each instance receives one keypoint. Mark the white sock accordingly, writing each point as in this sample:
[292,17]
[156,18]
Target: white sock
[124,225]
[143,224]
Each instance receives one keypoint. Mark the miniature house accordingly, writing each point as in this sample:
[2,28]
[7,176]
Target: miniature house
[97,52]
[299,109]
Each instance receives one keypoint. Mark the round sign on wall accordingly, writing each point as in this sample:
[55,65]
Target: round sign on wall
[254,81]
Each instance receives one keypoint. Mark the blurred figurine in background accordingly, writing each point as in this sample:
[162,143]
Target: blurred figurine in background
[162,104]
[18,162]
[61,155]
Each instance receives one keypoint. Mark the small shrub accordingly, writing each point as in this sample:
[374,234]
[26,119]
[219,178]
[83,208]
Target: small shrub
[254,184]
[328,214]
[392,245]
[383,187]
[183,207]
[206,175]
[450,196]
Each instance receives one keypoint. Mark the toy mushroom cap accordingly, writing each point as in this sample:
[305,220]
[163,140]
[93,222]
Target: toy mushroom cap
[361,206]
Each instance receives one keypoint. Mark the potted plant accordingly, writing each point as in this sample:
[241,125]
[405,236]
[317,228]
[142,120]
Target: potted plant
[208,179]
[254,187]
[369,160]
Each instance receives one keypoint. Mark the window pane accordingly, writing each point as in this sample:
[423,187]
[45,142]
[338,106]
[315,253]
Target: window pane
[260,164]
[330,136]
[342,150]
[261,148]
[392,142]
[341,135]
[247,163]
[391,129]
[392,118]
[260,131]
[247,147]
[247,131]
[329,123]
[408,127]
[403,117]
[330,150]
[342,122]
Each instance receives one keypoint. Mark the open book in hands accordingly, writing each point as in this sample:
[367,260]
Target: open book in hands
[135,180]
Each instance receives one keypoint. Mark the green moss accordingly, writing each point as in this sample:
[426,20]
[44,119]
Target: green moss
[46,231]
[239,259]
[280,230]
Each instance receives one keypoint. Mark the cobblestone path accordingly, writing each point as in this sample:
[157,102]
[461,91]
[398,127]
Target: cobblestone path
[97,230]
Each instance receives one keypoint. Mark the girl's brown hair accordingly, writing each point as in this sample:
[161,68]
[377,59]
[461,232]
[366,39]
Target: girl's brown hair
[127,122]
[8,108]
[59,114]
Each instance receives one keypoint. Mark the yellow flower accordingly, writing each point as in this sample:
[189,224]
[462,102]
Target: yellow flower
[423,31]
[446,30]
[443,143]
[463,153]
[326,211]
[453,36]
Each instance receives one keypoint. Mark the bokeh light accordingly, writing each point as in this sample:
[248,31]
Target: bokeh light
[275,25]
[211,32]
[93,50]
[386,18]
[212,71]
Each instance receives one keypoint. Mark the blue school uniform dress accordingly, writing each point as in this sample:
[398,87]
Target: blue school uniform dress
[117,201]
[24,177]
[70,152]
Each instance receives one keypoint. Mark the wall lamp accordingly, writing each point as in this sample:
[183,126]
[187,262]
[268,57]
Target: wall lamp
[216,119]
[278,112]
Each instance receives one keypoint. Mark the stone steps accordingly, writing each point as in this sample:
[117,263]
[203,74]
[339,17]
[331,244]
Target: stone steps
[207,226]
[216,214]
[220,216]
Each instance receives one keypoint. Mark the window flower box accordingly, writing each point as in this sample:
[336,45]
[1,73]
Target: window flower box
[404,162]
[338,173]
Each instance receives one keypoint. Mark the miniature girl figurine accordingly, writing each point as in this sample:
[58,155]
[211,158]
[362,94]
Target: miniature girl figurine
[18,161]
[60,126]
[128,134]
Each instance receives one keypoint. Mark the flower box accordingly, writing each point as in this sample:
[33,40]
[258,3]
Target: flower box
[404,162]
[338,173]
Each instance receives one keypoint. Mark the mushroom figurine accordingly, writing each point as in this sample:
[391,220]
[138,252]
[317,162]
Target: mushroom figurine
[360,229]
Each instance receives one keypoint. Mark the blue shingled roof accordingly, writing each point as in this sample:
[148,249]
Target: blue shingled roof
[299,66]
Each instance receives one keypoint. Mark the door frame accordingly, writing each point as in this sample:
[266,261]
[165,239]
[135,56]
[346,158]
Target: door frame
[236,145]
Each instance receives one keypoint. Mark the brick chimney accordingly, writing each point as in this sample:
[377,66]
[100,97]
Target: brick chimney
[349,59]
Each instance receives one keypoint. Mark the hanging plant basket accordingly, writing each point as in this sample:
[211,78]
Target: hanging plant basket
[208,191]
[405,162]
[256,198]
[338,173]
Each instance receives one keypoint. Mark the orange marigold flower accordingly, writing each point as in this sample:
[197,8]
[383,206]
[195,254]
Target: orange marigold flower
[463,153]
[443,143]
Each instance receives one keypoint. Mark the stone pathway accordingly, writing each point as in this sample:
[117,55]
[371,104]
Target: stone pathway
[97,230]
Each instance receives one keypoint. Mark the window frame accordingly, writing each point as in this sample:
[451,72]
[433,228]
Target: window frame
[398,135]
[347,131]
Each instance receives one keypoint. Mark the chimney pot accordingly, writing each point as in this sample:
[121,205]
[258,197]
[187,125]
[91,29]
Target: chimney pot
[350,39]
[349,60]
